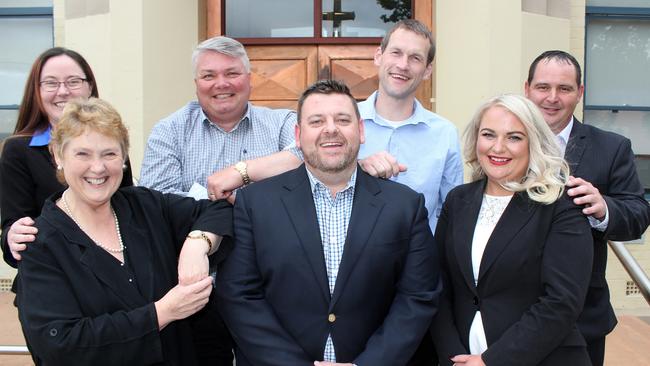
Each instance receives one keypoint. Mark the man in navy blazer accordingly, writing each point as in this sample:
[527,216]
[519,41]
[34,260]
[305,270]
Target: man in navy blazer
[604,181]
[299,287]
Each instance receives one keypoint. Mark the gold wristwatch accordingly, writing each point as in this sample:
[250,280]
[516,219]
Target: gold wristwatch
[241,168]
[198,234]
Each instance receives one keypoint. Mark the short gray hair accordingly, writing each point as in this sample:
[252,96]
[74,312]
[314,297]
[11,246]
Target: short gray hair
[223,45]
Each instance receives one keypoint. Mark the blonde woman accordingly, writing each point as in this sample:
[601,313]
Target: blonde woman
[516,253]
[99,285]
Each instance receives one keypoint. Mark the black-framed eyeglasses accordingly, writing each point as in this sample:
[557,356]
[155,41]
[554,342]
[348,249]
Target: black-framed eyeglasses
[71,84]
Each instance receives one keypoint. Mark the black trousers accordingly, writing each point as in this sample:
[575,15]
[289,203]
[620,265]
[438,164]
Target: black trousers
[212,340]
[596,350]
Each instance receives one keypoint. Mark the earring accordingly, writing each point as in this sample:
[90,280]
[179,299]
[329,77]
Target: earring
[59,167]
[124,166]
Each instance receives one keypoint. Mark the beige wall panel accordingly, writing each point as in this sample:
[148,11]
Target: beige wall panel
[170,32]
[479,46]
[541,33]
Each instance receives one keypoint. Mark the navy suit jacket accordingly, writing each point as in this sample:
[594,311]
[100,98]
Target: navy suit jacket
[273,292]
[605,159]
[532,280]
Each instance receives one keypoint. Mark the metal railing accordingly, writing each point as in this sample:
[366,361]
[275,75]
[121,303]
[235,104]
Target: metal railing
[14,350]
[633,268]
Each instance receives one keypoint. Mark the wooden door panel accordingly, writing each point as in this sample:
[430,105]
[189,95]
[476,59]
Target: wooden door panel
[351,64]
[280,73]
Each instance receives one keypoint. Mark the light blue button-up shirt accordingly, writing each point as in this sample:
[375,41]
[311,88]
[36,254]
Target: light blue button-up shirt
[426,143]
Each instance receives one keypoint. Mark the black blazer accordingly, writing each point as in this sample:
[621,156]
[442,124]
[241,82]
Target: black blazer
[605,159]
[27,178]
[273,291]
[532,282]
[78,306]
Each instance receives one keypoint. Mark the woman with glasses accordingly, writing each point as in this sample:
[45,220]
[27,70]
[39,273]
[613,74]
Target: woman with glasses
[27,170]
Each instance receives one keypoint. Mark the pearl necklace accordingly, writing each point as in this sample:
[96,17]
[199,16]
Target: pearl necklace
[67,210]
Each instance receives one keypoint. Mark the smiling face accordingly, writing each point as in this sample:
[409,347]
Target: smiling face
[502,149]
[402,64]
[223,87]
[329,133]
[92,167]
[61,68]
[555,91]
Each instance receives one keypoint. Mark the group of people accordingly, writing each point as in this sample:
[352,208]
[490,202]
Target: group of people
[358,244]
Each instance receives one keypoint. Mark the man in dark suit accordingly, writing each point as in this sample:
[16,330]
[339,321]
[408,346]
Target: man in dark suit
[330,264]
[604,180]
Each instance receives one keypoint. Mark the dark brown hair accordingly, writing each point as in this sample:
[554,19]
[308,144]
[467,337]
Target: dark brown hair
[559,56]
[327,87]
[31,115]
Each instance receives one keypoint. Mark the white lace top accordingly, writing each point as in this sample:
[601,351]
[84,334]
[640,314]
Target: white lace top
[492,208]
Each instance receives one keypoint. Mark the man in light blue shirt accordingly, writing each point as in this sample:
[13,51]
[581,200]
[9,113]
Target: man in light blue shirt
[425,143]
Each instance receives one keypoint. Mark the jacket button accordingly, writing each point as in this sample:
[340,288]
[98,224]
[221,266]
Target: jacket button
[476,302]
[331,318]
[53,332]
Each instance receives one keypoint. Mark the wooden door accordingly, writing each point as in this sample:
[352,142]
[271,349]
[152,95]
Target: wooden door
[281,71]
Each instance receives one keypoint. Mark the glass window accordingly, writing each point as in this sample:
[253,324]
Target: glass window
[618,51]
[25,3]
[7,122]
[264,18]
[23,39]
[296,18]
[26,29]
[619,3]
[617,60]
[362,18]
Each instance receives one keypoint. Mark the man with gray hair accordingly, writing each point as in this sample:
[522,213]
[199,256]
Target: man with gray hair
[216,131]
[219,129]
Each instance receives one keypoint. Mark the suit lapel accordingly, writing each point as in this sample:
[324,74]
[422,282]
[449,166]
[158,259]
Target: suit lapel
[365,211]
[516,215]
[576,145]
[465,232]
[299,204]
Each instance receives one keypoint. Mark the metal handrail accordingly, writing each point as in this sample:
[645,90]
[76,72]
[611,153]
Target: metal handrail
[14,350]
[632,267]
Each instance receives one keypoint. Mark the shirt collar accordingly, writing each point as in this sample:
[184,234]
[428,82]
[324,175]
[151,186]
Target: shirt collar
[566,132]
[368,111]
[41,138]
[245,118]
[315,183]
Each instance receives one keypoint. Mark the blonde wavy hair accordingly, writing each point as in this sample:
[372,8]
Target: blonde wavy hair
[547,172]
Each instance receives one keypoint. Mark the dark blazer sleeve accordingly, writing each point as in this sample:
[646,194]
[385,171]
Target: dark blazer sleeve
[629,212]
[185,214]
[54,323]
[444,332]
[17,189]
[415,302]
[565,272]
[255,328]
